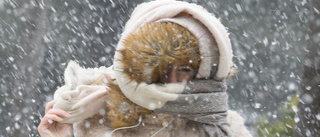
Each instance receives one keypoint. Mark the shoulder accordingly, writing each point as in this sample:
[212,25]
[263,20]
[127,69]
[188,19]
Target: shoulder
[237,124]
[234,117]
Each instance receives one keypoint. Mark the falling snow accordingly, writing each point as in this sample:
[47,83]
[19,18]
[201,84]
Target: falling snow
[38,39]
[87,124]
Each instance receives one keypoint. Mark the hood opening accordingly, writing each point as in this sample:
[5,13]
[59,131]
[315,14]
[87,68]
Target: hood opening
[149,51]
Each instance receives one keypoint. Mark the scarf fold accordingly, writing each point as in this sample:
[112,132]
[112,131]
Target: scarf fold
[205,102]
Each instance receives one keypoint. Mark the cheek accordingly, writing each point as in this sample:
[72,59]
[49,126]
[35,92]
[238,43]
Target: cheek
[185,76]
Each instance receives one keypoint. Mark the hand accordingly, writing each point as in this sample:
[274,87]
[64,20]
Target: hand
[50,126]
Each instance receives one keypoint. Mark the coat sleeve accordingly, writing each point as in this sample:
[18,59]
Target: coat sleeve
[81,96]
[237,125]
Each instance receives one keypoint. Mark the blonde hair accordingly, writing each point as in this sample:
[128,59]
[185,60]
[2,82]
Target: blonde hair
[152,48]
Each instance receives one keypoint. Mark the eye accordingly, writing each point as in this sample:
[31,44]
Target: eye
[185,69]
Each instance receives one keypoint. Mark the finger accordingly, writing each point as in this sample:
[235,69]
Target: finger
[49,105]
[59,112]
[53,118]
[48,120]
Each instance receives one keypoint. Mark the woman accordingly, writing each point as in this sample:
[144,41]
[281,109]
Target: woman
[168,79]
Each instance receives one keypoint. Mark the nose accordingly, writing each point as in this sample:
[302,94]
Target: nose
[172,76]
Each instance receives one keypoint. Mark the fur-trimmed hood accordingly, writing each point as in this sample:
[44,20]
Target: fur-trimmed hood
[214,48]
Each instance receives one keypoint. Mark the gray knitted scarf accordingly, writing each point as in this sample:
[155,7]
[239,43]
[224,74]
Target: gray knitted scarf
[205,102]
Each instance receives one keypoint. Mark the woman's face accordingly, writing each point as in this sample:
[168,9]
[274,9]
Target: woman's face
[178,72]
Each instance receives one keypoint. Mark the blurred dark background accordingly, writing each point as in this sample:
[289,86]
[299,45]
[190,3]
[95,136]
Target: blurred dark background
[39,37]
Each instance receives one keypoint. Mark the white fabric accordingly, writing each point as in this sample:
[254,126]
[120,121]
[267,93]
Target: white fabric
[166,9]
[78,96]
[81,103]
[150,96]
